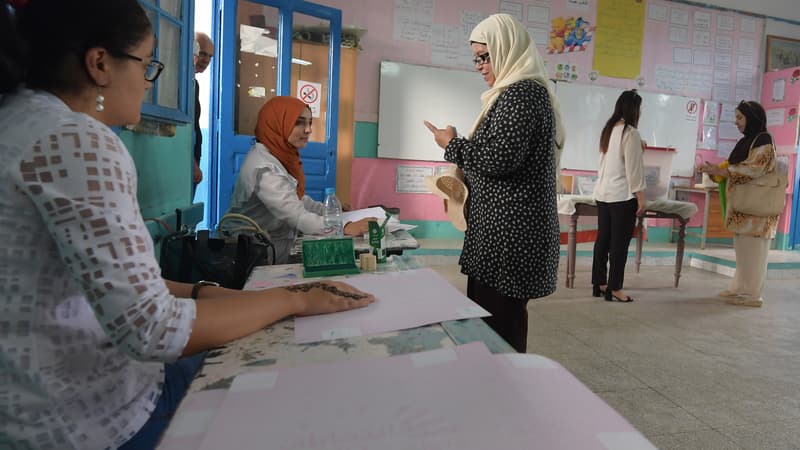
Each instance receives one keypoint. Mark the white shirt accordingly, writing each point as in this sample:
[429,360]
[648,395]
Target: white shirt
[86,321]
[267,193]
[621,173]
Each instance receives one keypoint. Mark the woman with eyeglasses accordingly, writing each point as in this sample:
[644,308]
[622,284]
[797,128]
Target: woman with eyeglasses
[752,158]
[619,193]
[96,349]
[510,161]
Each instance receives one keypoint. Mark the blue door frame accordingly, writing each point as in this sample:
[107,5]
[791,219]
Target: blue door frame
[227,149]
[794,226]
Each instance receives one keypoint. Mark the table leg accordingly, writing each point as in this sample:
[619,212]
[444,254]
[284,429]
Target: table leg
[639,227]
[679,251]
[704,229]
[571,243]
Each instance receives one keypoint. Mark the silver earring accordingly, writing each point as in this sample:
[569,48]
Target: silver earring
[99,100]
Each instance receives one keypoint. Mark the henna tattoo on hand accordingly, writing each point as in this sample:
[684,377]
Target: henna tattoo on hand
[305,287]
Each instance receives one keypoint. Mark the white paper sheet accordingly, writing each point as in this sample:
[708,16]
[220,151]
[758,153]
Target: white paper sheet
[404,300]
[378,213]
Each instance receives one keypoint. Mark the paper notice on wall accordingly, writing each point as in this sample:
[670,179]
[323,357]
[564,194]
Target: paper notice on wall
[679,16]
[539,14]
[679,35]
[778,89]
[449,47]
[708,140]
[721,92]
[413,20]
[619,36]
[722,60]
[727,112]
[411,179]
[682,79]
[746,62]
[775,117]
[311,94]
[512,8]
[682,55]
[747,24]
[656,12]
[702,20]
[724,23]
[711,113]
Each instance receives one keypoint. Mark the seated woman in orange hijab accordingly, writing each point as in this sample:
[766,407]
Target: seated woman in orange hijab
[270,188]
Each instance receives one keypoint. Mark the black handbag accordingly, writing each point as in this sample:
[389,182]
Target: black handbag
[189,257]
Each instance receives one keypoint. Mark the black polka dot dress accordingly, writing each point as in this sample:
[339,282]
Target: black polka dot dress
[512,238]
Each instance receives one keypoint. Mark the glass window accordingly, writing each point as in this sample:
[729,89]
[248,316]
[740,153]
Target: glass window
[172,7]
[169,99]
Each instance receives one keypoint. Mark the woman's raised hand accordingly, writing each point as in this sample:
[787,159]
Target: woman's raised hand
[442,136]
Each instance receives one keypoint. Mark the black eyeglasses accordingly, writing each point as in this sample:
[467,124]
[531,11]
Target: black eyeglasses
[154,67]
[481,59]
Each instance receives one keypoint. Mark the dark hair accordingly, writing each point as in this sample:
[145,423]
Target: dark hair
[627,109]
[755,117]
[45,49]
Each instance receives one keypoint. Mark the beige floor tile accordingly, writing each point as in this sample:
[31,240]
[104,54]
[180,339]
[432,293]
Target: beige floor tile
[686,369]
[703,439]
[652,413]
[766,436]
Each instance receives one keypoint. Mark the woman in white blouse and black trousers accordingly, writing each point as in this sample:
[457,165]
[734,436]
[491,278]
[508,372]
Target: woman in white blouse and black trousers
[619,193]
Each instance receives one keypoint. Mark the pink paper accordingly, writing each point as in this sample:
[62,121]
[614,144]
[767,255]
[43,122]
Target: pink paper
[191,420]
[404,300]
[455,398]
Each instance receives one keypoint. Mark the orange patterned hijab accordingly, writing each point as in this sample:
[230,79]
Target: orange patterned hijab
[275,123]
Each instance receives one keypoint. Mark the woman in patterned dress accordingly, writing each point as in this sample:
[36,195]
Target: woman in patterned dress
[96,349]
[510,160]
[752,157]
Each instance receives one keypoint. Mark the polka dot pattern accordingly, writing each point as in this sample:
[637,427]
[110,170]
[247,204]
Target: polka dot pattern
[512,237]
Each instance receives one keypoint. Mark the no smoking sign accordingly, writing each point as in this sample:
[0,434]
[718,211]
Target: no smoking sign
[310,94]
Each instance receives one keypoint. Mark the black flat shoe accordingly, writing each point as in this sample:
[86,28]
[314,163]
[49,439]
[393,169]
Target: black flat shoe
[613,298]
[597,292]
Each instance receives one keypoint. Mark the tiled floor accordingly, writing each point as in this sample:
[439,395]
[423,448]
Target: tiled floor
[686,369]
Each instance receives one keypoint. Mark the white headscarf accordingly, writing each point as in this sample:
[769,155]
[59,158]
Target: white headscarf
[514,57]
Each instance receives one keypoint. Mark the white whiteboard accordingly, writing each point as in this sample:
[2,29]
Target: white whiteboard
[410,94]
[665,122]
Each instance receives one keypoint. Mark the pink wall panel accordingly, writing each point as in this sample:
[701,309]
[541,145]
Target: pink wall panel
[374,184]
[788,81]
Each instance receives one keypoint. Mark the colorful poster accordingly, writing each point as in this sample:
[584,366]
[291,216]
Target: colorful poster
[620,32]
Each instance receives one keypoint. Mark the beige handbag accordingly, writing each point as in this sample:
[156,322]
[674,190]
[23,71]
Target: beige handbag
[762,197]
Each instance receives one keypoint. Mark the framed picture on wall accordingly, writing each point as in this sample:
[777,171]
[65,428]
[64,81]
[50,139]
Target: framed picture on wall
[782,53]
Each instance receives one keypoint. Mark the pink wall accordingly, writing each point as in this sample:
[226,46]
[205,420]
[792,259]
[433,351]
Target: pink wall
[374,184]
[374,179]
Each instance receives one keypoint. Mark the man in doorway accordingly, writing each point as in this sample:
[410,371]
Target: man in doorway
[204,50]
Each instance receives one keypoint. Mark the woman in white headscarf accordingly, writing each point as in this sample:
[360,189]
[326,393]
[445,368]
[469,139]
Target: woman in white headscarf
[510,162]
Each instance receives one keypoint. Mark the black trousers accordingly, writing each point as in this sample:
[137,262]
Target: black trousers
[509,316]
[615,224]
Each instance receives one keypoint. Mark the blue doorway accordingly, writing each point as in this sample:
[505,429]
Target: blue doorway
[268,48]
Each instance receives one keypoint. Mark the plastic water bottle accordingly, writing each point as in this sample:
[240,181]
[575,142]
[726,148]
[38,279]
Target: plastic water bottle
[332,215]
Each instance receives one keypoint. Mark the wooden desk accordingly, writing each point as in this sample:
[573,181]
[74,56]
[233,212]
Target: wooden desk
[713,225]
[586,207]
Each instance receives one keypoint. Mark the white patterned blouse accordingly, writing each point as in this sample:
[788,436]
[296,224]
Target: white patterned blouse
[86,321]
